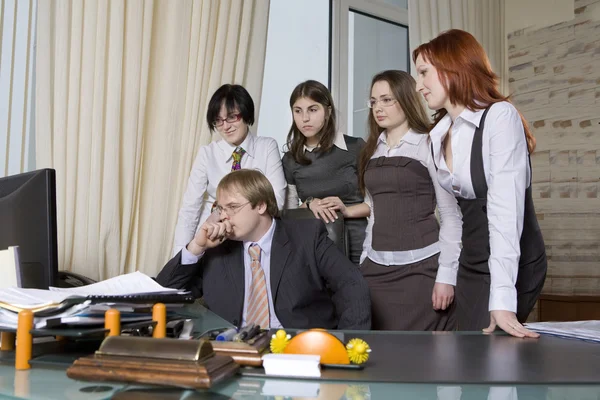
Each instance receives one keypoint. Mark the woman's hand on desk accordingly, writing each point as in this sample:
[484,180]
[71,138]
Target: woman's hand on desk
[210,235]
[507,321]
[442,296]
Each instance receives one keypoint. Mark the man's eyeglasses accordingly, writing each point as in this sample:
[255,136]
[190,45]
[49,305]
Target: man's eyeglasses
[230,119]
[231,209]
[385,102]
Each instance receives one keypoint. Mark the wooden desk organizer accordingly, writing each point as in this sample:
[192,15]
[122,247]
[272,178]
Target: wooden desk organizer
[244,353]
[112,325]
[181,363]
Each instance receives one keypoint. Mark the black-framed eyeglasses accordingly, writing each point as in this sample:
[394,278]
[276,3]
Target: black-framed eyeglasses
[230,119]
[230,209]
[385,102]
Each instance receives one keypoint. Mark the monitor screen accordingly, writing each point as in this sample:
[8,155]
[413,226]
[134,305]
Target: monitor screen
[28,220]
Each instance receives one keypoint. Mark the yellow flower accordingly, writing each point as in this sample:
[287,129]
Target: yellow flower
[279,341]
[358,351]
[357,392]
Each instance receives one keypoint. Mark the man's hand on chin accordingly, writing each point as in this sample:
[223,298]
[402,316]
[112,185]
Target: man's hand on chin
[210,235]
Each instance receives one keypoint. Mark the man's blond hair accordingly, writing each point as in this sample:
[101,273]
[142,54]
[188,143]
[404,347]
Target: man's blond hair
[253,185]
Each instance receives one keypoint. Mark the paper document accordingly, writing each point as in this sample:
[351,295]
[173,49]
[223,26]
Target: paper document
[30,298]
[10,267]
[133,283]
[16,299]
[585,330]
[10,319]
[85,305]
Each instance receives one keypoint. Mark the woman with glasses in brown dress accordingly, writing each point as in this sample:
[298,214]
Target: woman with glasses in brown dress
[409,260]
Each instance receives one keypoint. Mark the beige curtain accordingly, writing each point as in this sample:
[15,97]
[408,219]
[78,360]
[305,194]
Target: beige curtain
[484,19]
[17,24]
[122,89]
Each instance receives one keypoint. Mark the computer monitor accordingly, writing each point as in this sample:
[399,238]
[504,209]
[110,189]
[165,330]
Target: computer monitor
[28,220]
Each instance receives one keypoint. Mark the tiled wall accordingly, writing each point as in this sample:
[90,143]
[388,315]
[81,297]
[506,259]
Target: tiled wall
[554,76]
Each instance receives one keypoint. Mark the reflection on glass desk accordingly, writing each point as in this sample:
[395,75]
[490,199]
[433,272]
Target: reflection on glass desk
[407,365]
[52,384]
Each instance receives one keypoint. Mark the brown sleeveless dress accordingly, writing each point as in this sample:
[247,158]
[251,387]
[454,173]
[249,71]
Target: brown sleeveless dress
[404,206]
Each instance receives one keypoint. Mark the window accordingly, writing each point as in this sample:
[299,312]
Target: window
[367,37]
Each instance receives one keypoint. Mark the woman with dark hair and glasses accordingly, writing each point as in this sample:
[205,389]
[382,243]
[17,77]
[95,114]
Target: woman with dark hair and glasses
[409,260]
[231,113]
[321,163]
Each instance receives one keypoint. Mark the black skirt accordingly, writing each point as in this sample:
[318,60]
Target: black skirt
[401,297]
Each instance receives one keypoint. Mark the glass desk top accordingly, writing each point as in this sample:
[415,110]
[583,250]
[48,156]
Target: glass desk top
[432,362]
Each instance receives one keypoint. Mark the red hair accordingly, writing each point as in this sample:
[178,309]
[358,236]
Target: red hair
[465,72]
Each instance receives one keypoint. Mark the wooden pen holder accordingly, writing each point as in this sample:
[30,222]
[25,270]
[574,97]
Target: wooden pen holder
[172,362]
[247,353]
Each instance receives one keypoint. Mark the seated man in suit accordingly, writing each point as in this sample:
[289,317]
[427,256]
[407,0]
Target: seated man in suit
[254,268]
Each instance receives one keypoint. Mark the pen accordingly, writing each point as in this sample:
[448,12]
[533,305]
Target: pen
[255,330]
[257,337]
[243,333]
[226,336]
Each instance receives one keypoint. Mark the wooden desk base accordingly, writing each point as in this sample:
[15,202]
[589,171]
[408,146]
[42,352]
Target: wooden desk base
[568,308]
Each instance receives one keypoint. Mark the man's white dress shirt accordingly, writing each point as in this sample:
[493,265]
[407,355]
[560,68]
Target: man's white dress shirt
[265,263]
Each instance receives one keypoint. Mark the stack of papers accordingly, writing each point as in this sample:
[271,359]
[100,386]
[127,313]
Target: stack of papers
[85,305]
[584,330]
[128,284]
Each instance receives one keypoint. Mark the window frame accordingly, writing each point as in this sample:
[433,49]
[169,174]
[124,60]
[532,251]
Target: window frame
[339,44]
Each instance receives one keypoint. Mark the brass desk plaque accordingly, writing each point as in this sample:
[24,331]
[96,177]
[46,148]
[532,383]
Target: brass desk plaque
[171,362]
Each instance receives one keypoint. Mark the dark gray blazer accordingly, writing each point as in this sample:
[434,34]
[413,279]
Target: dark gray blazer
[314,285]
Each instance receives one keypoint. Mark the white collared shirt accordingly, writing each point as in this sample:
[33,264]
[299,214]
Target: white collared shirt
[416,146]
[338,142]
[507,173]
[212,163]
[293,200]
[265,244]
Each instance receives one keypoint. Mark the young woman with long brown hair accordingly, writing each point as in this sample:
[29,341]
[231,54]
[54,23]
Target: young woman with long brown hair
[408,260]
[481,146]
[321,163]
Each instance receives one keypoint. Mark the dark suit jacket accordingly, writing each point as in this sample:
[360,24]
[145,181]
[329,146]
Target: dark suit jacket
[313,284]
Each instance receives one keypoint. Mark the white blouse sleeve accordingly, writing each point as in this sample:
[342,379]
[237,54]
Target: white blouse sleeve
[450,229]
[274,172]
[507,181]
[189,213]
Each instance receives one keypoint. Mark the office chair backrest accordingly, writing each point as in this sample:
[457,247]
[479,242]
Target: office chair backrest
[10,267]
[336,230]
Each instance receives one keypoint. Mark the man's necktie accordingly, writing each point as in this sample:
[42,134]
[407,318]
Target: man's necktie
[237,158]
[258,302]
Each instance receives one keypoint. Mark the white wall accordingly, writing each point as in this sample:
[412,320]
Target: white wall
[297,50]
[522,14]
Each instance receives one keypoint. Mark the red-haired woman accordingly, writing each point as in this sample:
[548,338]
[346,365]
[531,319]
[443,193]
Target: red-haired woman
[481,146]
